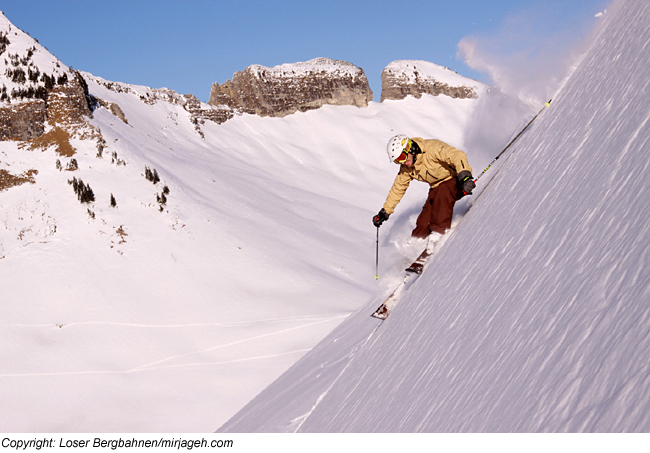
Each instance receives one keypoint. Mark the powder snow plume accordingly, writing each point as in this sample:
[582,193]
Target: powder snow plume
[532,52]
[526,60]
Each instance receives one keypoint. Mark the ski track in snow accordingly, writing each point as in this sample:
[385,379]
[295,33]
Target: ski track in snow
[162,326]
[149,365]
[139,369]
[152,365]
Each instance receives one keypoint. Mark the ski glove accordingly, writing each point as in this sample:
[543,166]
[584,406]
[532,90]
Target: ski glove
[380,218]
[465,183]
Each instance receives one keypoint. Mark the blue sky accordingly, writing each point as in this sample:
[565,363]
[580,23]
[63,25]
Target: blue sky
[188,45]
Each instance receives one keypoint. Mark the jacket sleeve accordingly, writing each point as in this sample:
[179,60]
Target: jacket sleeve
[396,192]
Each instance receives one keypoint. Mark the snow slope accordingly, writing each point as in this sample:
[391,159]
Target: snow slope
[534,315]
[170,318]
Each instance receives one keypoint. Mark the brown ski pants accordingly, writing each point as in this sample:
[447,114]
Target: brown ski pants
[437,211]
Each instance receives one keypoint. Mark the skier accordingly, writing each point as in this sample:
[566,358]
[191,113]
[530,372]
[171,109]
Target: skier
[440,165]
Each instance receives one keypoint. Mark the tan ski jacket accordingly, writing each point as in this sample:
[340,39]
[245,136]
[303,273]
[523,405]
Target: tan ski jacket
[438,162]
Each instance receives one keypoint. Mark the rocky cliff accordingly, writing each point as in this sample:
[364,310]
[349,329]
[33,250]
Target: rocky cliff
[415,77]
[22,121]
[43,103]
[289,88]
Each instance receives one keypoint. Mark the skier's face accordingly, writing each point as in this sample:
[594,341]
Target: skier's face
[409,161]
[405,159]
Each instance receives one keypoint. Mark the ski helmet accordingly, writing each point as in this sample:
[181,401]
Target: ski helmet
[397,145]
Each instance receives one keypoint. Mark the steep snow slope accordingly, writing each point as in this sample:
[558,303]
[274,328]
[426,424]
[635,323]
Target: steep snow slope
[144,317]
[534,315]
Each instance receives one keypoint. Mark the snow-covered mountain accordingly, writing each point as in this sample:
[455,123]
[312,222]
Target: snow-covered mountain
[160,269]
[534,316]
[404,78]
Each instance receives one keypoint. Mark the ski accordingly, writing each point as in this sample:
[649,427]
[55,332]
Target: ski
[418,264]
[412,273]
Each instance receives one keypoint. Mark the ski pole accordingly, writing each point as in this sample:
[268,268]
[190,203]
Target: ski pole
[546,104]
[377,257]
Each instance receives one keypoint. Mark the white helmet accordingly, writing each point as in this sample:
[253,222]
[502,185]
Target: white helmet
[396,146]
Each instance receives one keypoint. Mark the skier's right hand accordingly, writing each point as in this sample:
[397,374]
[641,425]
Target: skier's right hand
[380,218]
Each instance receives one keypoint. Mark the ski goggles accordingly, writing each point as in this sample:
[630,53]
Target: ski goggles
[405,154]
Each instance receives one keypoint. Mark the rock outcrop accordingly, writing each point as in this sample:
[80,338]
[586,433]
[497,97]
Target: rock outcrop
[415,77]
[289,88]
[23,121]
[199,112]
[115,109]
[67,105]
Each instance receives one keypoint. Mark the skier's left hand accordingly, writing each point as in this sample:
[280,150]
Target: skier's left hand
[465,182]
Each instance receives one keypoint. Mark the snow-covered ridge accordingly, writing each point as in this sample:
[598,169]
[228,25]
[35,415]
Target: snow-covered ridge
[141,92]
[26,67]
[402,78]
[301,69]
[111,95]
[414,70]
